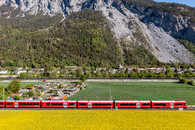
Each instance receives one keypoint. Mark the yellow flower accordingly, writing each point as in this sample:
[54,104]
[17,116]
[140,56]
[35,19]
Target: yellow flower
[97,120]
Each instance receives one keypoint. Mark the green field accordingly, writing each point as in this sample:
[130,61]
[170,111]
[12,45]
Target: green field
[137,91]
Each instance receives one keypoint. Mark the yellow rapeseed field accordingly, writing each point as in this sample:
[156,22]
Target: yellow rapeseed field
[97,119]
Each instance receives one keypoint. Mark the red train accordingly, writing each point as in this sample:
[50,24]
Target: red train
[111,104]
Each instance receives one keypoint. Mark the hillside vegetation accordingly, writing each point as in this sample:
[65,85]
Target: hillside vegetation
[83,38]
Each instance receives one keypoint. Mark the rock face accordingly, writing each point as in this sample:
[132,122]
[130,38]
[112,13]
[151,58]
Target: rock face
[177,26]
[145,27]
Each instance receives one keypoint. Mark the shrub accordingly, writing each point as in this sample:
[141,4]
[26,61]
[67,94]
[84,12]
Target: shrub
[14,86]
[191,82]
[183,80]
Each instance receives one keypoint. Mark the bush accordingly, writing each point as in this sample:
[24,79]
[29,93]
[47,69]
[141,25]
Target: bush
[14,86]
[191,82]
[183,80]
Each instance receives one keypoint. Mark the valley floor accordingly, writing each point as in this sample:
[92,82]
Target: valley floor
[137,91]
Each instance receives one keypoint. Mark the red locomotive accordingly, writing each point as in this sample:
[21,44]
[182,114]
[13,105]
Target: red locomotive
[110,104]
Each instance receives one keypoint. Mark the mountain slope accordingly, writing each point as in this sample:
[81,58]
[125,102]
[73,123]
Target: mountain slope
[134,23]
[78,40]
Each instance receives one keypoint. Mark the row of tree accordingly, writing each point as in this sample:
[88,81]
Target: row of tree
[109,73]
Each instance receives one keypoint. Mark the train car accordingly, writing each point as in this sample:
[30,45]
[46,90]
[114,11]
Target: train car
[83,104]
[11,104]
[163,104]
[180,104]
[133,104]
[28,104]
[2,103]
[101,104]
[58,104]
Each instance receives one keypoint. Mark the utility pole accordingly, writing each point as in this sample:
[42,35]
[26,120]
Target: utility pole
[110,94]
[3,93]
[111,98]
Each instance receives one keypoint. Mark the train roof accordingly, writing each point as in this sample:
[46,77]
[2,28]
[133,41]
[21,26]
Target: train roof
[27,101]
[166,101]
[100,101]
[58,101]
[132,101]
[83,101]
[22,100]
[155,101]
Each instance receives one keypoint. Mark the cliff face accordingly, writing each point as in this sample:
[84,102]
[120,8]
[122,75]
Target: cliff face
[177,26]
[132,24]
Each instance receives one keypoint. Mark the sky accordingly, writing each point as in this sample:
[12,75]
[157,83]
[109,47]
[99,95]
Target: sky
[187,2]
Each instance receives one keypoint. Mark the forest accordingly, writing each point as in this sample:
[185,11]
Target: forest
[83,38]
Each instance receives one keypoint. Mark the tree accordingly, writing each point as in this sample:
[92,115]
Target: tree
[183,80]
[169,72]
[191,82]
[29,86]
[30,93]
[2,93]
[79,73]
[60,86]
[14,86]
[83,78]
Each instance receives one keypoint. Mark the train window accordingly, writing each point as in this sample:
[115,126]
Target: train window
[145,104]
[35,103]
[57,103]
[9,103]
[28,103]
[71,104]
[127,104]
[178,104]
[102,104]
[23,103]
[83,104]
[160,104]
[1,103]
[54,104]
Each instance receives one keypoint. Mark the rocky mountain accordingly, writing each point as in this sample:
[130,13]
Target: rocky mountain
[142,23]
